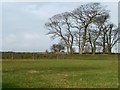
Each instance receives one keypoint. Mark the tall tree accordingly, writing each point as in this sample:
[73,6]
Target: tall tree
[85,15]
[66,17]
[59,26]
[95,30]
[75,24]
[111,37]
[54,26]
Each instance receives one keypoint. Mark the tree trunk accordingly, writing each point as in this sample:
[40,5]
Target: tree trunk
[84,40]
[109,45]
[104,43]
[79,47]
[90,43]
[109,49]
[71,46]
[67,49]
[66,46]
[79,42]
[71,50]
[94,48]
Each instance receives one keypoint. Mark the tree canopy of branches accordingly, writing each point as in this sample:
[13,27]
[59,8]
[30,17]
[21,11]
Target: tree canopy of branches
[88,24]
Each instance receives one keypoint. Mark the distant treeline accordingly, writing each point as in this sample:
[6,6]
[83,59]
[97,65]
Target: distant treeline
[40,55]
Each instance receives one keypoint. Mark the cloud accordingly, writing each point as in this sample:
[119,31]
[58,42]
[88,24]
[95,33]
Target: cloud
[23,24]
[26,42]
[31,36]
[47,10]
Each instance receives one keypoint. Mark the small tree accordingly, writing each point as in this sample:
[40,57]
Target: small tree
[57,48]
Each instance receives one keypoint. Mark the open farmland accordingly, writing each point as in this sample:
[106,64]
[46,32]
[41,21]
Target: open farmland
[59,73]
[59,45]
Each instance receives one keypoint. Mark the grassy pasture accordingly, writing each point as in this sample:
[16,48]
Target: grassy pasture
[67,73]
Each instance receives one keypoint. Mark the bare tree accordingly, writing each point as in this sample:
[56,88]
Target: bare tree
[75,24]
[85,15]
[59,26]
[87,23]
[95,30]
[111,37]
[66,17]
[54,26]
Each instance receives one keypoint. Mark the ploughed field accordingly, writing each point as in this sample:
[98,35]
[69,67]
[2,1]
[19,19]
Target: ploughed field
[60,73]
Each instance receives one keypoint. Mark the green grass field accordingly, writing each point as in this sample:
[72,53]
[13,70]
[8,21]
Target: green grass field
[60,73]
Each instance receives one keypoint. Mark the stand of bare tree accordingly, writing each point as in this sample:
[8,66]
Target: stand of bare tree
[87,25]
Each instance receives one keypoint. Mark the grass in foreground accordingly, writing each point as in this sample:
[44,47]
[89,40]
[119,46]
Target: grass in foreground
[60,74]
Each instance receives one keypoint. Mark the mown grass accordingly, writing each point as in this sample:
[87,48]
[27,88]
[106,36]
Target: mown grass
[67,73]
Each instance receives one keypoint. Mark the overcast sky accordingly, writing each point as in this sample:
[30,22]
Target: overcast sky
[23,23]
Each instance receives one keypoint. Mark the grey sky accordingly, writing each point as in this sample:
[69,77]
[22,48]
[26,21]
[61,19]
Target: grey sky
[23,23]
